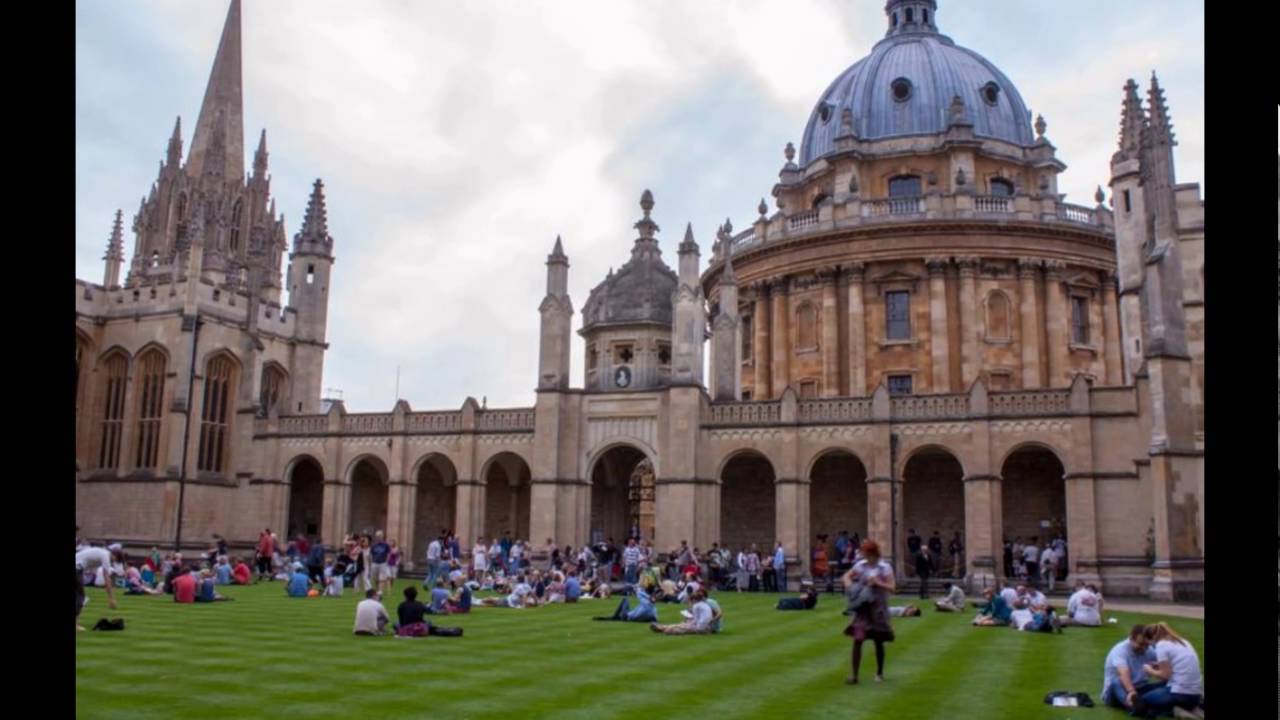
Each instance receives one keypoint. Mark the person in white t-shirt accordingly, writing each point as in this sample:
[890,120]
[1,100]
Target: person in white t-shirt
[479,560]
[371,616]
[1049,565]
[1011,594]
[1031,558]
[698,621]
[1021,618]
[1179,666]
[1084,608]
[96,559]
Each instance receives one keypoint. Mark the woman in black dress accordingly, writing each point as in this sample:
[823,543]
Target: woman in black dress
[871,621]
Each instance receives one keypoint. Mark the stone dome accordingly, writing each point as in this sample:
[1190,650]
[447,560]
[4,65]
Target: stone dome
[640,291]
[872,97]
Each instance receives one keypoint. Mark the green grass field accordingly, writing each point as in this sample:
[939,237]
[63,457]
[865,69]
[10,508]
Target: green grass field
[268,656]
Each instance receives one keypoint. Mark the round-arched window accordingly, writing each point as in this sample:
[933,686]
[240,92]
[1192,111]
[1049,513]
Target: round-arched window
[901,89]
[991,93]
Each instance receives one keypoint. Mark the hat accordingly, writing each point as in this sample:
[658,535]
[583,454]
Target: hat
[115,547]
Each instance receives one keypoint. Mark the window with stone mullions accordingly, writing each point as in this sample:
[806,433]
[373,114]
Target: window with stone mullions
[1079,320]
[151,369]
[112,411]
[897,315]
[899,384]
[213,416]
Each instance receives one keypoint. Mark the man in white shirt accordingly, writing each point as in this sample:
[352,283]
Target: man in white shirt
[1031,558]
[479,559]
[434,566]
[1021,618]
[520,594]
[96,559]
[1049,565]
[371,617]
[1032,597]
[698,622]
[631,562]
[1123,673]
[1012,594]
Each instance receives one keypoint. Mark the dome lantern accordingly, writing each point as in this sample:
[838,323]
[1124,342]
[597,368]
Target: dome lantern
[911,16]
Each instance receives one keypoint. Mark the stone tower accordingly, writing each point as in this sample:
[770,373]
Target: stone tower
[557,324]
[309,266]
[690,316]
[727,368]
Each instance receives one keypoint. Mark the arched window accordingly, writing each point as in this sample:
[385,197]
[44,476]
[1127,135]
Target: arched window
[115,370]
[910,16]
[998,316]
[1001,187]
[747,337]
[273,388]
[234,238]
[904,186]
[806,327]
[150,384]
[214,426]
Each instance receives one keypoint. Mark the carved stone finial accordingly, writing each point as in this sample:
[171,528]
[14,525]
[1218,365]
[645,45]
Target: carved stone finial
[646,202]
[955,111]
[1041,126]
[1099,196]
[763,209]
[790,153]
[846,122]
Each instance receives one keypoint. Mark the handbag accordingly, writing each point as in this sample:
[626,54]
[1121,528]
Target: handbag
[858,594]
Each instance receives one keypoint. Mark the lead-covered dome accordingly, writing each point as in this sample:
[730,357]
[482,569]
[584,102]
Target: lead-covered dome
[907,84]
[640,291]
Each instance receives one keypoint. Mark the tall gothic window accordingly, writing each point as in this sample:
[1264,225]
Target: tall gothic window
[905,186]
[150,384]
[234,240]
[273,388]
[214,427]
[746,337]
[897,315]
[182,207]
[1079,320]
[116,370]
[997,316]
[807,327]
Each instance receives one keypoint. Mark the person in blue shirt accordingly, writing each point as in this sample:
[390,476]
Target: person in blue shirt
[439,599]
[645,611]
[315,561]
[572,587]
[1124,678]
[460,600]
[780,567]
[222,571]
[996,612]
[299,582]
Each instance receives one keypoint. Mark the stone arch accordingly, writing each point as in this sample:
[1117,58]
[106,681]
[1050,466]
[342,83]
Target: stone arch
[928,448]
[837,495]
[1033,491]
[304,474]
[1034,445]
[622,493]
[738,452]
[436,485]
[506,476]
[594,455]
[369,479]
[933,498]
[748,501]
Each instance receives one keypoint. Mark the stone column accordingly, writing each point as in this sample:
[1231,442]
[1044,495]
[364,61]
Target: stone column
[857,331]
[970,363]
[830,334]
[1111,332]
[791,500]
[1029,308]
[939,351]
[1082,528]
[781,336]
[983,546]
[468,514]
[1055,323]
[761,350]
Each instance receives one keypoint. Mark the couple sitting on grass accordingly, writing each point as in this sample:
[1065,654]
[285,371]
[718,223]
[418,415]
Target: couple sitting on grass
[1152,672]
[372,618]
[702,617]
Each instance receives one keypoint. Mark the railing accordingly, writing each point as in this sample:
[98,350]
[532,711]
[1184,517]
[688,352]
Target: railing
[512,419]
[834,410]
[304,425]
[765,412]
[433,422]
[743,239]
[929,407]
[367,423]
[993,204]
[1030,403]
[800,221]
[895,206]
[1078,214]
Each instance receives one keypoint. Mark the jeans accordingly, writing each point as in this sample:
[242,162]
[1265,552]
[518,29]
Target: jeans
[1115,696]
[633,574]
[782,578]
[1161,701]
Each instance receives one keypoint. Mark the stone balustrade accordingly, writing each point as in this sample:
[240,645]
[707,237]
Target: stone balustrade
[894,206]
[1077,214]
[302,424]
[835,410]
[415,423]
[433,422]
[366,423]
[993,204]
[802,220]
[929,407]
[512,419]
[764,412]
[1025,403]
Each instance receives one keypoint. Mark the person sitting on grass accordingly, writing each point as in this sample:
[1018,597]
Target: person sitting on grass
[1177,667]
[698,619]
[808,599]
[1043,619]
[716,613]
[572,588]
[460,600]
[954,600]
[222,571]
[439,599]
[371,617]
[299,582]
[184,586]
[241,574]
[996,613]
[1030,597]
[334,585]
[555,589]
[904,611]
[521,596]
[135,585]
[600,589]
[207,591]
[412,616]
[1124,678]
[644,611]
[1084,608]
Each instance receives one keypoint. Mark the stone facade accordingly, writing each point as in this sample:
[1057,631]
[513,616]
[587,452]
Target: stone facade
[921,335]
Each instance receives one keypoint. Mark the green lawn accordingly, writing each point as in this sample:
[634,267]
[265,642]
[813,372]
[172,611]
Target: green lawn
[268,656]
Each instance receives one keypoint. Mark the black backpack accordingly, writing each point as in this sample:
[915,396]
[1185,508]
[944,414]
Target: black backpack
[105,624]
[445,631]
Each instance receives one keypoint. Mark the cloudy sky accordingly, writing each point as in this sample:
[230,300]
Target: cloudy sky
[456,140]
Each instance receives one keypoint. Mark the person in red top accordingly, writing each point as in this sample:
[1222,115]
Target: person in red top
[266,546]
[241,572]
[184,588]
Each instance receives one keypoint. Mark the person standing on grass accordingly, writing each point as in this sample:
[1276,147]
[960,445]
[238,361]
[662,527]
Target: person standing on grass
[379,553]
[1049,565]
[517,555]
[935,552]
[479,560]
[780,566]
[818,562]
[631,562]
[913,547]
[956,548]
[1031,558]
[1123,676]
[315,558]
[393,562]
[505,545]
[434,551]
[871,620]
[371,616]
[363,563]
[92,559]
[262,554]
[924,568]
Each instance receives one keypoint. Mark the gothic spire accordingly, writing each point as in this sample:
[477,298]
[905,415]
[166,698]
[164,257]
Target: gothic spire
[315,224]
[1161,128]
[1132,121]
[646,244]
[727,277]
[173,156]
[688,245]
[115,245]
[557,253]
[260,156]
[222,97]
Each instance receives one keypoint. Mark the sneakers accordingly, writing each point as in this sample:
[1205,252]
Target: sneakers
[879,678]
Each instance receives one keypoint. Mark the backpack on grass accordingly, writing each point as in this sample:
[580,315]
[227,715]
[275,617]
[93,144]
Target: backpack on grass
[105,624]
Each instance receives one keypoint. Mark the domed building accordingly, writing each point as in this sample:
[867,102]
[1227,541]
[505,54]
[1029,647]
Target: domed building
[919,335]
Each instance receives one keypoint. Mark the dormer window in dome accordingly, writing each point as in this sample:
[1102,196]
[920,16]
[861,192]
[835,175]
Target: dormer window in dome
[825,111]
[1001,187]
[905,186]
[910,16]
[901,89]
[990,93]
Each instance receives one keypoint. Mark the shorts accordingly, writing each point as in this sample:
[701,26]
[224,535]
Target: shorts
[379,572]
[394,570]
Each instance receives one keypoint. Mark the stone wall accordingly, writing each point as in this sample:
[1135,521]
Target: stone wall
[747,504]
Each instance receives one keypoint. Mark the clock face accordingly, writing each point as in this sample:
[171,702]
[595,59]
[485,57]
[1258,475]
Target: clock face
[622,377]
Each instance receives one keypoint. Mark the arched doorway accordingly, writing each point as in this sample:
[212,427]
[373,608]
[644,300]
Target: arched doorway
[306,498]
[622,495]
[436,502]
[369,479]
[506,497]
[933,501]
[837,497]
[1033,496]
[747,503]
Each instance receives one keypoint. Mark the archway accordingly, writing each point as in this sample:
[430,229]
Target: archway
[933,501]
[506,497]
[1033,496]
[622,495]
[436,502]
[837,497]
[306,498]
[369,479]
[747,503]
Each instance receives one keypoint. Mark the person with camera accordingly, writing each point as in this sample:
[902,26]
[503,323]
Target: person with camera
[871,611]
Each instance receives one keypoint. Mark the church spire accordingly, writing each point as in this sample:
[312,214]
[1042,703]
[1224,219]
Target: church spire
[1161,127]
[314,234]
[1132,121]
[115,252]
[173,156]
[222,105]
[260,155]
[646,244]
